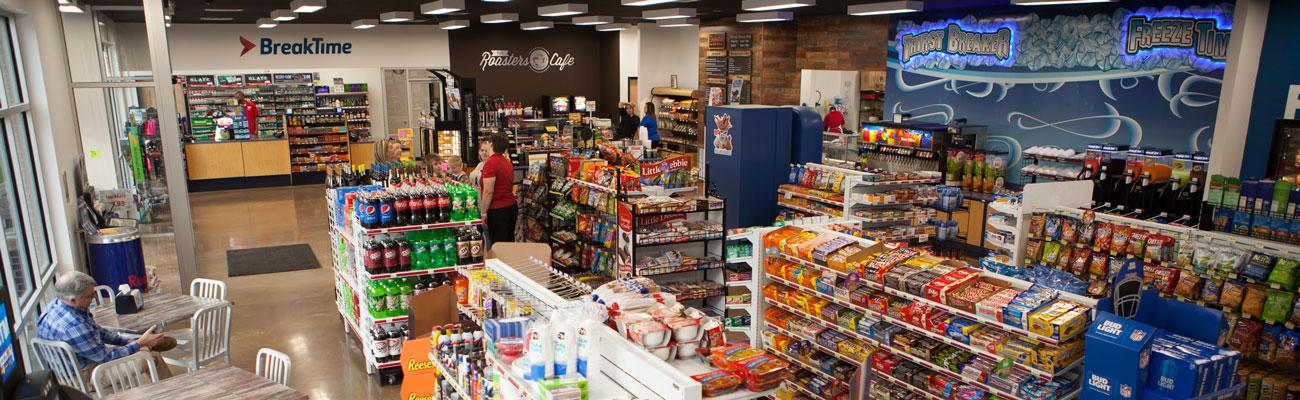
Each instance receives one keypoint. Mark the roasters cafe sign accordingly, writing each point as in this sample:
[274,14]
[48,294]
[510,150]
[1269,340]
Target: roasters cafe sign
[538,60]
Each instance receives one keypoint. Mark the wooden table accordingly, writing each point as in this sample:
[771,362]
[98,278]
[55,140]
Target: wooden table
[223,382]
[159,309]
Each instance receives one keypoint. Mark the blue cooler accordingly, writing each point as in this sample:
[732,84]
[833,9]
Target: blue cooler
[117,258]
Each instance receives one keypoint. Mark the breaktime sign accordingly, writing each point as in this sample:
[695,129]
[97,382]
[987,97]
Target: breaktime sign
[307,46]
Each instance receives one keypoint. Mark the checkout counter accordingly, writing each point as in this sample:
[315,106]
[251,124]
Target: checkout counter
[238,164]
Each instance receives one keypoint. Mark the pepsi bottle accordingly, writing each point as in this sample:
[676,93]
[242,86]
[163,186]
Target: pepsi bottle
[387,216]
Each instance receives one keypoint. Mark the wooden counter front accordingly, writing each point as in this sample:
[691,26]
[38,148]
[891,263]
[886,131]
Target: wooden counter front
[266,158]
[214,160]
[362,153]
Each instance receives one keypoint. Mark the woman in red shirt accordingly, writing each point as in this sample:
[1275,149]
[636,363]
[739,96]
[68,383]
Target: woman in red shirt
[498,198]
[250,111]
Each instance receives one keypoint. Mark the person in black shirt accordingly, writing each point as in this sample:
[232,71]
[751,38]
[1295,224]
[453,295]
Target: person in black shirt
[627,122]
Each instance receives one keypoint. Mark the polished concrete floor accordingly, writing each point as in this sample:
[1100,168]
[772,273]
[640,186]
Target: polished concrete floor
[293,312]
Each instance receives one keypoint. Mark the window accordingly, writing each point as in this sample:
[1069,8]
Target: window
[26,251]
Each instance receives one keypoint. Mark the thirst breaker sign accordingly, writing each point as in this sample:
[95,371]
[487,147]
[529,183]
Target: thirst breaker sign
[957,41]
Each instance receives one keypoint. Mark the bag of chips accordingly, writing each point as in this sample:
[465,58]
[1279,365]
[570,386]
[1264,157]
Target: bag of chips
[1033,251]
[1052,228]
[1184,253]
[1097,266]
[1287,344]
[1137,242]
[1258,266]
[1069,229]
[1244,337]
[1051,250]
[1229,260]
[1189,286]
[1080,264]
[1277,305]
[1284,273]
[1233,292]
[1253,303]
[1210,291]
[1119,238]
[1086,231]
[1101,239]
[1267,348]
[1063,259]
[1036,225]
[1203,261]
[1295,312]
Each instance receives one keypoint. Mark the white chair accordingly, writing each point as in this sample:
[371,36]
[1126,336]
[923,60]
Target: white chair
[208,289]
[274,366]
[211,341]
[62,360]
[103,294]
[124,373]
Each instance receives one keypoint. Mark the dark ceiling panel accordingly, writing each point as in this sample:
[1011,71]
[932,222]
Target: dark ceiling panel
[346,11]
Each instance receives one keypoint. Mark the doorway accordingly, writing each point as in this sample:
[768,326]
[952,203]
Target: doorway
[631,90]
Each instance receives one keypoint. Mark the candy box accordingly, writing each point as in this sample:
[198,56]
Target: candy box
[1116,361]
[939,288]
[991,307]
[1040,321]
[1056,358]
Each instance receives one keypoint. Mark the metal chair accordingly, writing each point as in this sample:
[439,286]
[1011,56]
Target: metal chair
[274,366]
[124,373]
[211,340]
[208,289]
[103,294]
[62,360]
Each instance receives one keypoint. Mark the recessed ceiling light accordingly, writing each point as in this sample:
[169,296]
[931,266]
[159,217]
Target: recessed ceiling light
[266,23]
[614,27]
[562,10]
[454,24]
[668,13]
[283,15]
[593,20]
[678,22]
[224,10]
[397,16]
[499,18]
[640,3]
[537,26]
[1054,2]
[71,8]
[889,7]
[770,16]
[306,6]
[441,7]
[773,5]
[364,23]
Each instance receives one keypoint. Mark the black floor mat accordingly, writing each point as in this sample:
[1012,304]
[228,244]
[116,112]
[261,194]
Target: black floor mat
[266,260]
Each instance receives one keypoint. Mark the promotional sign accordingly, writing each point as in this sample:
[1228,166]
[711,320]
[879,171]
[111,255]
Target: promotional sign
[305,46]
[230,81]
[302,77]
[1144,77]
[722,141]
[533,67]
[257,79]
[538,60]
[623,260]
[197,81]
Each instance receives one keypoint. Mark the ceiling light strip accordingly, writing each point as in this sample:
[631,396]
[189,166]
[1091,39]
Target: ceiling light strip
[397,16]
[306,6]
[365,23]
[562,10]
[677,22]
[668,13]
[499,18]
[770,16]
[442,7]
[773,5]
[454,24]
[593,20]
[889,7]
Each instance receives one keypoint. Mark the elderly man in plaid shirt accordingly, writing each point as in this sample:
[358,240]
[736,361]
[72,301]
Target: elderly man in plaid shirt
[68,320]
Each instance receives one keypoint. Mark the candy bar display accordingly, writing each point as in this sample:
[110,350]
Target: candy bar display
[886,205]
[931,325]
[677,232]
[537,196]
[814,190]
[674,261]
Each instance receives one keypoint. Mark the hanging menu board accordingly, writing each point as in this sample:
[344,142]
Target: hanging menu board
[740,42]
[257,79]
[230,81]
[198,81]
[717,41]
[715,65]
[741,64]
[305,77]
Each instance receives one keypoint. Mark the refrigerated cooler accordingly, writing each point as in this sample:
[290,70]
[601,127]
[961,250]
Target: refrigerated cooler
[750,150]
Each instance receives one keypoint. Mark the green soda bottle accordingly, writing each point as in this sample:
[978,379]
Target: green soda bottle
[394,296]
[408,290]
[419,250]
[471,197]
[448,248]
[457,204]
[378,300]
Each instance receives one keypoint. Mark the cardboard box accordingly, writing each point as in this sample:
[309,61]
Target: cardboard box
[1116,361]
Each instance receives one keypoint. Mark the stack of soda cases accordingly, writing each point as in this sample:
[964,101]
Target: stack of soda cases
[422,250]
[417,205]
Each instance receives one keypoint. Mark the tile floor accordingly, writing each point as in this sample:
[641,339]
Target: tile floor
[293,312]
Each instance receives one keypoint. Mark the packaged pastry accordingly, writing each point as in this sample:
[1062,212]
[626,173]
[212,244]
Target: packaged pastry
[717,383]
[1119,238]
[1101,239]
[1232,294]
[761,368]
[1253,302]
[1137,241]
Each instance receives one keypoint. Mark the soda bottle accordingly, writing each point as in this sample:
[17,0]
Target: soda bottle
[394,345]
[454,197]
[401,208]
[403,255]
[387,217]
[463,256]
[462,289]
[408,290]
[449,251]
[444,204]
[379,345]
[378,302]
[419,250]
[369,211]
[430,206]
[390,256]
[472,198]
[373,258]
[394,297]
[475,245]
[417,206]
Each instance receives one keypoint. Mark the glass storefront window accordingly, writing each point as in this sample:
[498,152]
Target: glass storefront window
[27,257]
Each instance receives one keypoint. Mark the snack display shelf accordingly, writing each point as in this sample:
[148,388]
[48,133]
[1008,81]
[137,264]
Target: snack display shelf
[861,201]
[1001,226]
[904,182]
[1236,314]
[805,210]
[738,329]
[790,193]
[934,304]
[356,227]
[739,306]
[660,191]
[1048,176]
[806,366]
[1005,246]
[905,385]
[739,283]
[870,220]
[474,313]
[802,390]
[698,266]
[593,185]
[1054,159]
[367,276]
[711,237]
[1005,207]
[824,349]
[925,332]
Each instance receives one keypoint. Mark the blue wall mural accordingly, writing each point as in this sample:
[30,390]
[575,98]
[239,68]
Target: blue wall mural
[1142,76]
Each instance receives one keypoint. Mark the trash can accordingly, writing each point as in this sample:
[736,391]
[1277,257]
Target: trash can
[116,258]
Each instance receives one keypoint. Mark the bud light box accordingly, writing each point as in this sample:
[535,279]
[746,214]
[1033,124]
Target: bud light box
[1115,346]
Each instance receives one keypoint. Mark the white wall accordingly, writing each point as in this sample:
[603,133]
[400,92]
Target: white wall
[1250,19]
[217,47]
[629,58]
[664,52]
[97,144]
